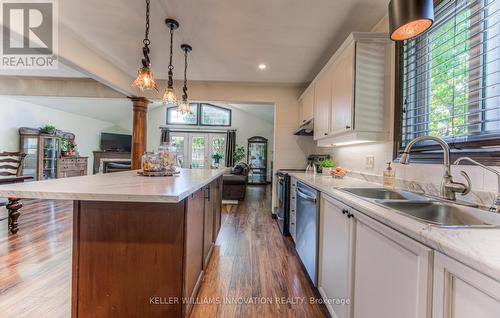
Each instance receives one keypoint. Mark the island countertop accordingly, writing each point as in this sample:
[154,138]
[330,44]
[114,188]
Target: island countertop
[125,186]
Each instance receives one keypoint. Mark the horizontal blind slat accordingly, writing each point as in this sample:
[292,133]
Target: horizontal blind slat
[450,76]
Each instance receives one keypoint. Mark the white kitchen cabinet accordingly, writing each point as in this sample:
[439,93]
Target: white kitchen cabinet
[461,292]
[343,91]
[352,92]
[322,105]
[306,106]
[335,256]
[392,273]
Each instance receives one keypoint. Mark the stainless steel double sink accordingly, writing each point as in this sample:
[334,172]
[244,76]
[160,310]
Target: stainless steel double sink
[429,210]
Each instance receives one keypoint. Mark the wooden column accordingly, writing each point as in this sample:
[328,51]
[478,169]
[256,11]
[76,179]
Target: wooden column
[139,130]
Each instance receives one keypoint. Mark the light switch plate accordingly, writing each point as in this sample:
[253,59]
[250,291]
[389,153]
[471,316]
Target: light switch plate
[370,162]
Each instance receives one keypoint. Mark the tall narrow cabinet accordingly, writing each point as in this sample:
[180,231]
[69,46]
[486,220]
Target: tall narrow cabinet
[42,154]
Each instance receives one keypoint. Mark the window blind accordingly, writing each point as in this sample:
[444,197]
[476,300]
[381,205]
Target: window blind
[449,77]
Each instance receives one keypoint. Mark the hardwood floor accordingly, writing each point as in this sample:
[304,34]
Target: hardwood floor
[251,262]
[35,264]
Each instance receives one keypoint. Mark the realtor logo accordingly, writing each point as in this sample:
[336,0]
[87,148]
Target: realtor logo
[29,34]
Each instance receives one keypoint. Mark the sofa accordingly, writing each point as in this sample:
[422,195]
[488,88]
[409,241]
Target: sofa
[234,185]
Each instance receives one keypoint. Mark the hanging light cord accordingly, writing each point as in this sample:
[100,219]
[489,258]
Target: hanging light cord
[145,50]
[170,66]
[184,89]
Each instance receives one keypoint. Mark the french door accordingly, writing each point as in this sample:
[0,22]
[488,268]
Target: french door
[196,150]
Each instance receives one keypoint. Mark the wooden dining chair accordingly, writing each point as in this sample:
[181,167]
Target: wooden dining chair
[11,165]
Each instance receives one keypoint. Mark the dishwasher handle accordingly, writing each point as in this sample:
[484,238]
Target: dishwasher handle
[305,196]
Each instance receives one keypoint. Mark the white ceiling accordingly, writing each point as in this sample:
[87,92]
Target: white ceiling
[262,111]
[117,110]
[230,37]
[113,110]
[61,71]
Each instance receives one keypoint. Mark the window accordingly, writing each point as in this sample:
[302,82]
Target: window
[212,115]
[449,80]
[176,118]
[203,115]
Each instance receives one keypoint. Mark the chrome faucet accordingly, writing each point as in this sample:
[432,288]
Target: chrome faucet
[495,206]
[448,186]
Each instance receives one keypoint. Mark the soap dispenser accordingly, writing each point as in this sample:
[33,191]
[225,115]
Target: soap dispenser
[389,177]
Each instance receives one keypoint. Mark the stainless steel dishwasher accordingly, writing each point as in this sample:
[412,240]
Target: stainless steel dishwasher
[307,229]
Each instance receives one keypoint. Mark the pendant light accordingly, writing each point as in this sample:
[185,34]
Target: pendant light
[410,18]
[145,79]
[184,105]
[169,97]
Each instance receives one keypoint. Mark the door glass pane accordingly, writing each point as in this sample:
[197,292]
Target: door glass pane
[50,154]
[30,148]
[198,152]
[219,147]
[257,159]
[178,142]
[257,155]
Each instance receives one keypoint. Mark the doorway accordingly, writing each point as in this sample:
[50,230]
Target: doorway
[196,150]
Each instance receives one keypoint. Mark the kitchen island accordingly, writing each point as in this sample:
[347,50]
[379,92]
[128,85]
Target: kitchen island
[140,244]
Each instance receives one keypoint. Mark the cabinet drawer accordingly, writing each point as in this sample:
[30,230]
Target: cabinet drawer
[81,160]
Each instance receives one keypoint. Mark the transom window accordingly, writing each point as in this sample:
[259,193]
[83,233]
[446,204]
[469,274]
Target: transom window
[203,114]
[449,79]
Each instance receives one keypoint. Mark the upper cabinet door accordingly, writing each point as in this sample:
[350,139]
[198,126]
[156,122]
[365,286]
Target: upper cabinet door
[343,91]
[322,105]
[306,106]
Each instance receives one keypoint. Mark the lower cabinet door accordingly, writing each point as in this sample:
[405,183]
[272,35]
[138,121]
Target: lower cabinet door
[335,275]
[392,273]
[461,292]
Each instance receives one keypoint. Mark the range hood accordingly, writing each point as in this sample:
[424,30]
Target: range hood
[306,129]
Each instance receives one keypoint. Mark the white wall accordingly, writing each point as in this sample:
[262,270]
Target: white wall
[290,151]
[15,114]
[247,125]
[353,157]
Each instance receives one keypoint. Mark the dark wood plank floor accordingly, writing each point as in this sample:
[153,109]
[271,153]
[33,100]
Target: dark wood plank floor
[251,261]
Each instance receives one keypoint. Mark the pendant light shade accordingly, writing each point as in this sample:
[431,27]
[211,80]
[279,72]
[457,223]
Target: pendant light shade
[410,18]
[184,105]
[145,79]
[169,97]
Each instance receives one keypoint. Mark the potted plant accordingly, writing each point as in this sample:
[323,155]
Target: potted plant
[48,129]
[217,157]
[327,165]
[239,153]
[67,147]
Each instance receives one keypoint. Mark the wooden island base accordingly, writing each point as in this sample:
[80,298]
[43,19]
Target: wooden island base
[133,259]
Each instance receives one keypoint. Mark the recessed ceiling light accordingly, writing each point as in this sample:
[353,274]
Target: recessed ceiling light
[262,66]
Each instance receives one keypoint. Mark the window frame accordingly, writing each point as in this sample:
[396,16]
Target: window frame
[183,124]
[486,150]
[199,107]
[200,117]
